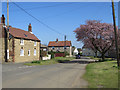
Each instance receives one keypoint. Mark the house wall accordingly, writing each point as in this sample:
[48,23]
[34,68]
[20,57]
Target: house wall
[61,49]
[89,52]
[2,44]
[11,49]
[28,45]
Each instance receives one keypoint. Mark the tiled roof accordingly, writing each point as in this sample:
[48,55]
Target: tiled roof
[22,34]
[59,43]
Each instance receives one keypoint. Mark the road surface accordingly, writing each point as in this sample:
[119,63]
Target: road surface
[62,75]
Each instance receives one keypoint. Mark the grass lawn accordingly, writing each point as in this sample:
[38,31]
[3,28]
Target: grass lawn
[51,61]
[102,75]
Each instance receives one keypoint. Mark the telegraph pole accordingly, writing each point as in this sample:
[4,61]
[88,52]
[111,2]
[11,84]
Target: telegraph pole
[7,13]
[116,37]
[65,44]
[7,30]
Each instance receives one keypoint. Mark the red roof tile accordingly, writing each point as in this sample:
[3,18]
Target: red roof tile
[59,43]
[22,34]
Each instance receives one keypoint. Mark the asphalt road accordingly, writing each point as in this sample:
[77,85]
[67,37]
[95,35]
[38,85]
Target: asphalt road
[62,75]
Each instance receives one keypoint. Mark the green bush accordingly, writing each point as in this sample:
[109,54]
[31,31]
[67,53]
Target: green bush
[43,53]
[66,53]
[36,62]
[51,53]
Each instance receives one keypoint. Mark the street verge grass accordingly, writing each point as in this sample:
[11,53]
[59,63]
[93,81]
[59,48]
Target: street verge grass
[99,59]
[102,74]
[51,61]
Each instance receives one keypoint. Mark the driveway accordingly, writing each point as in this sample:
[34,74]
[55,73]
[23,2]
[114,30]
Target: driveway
[62,75]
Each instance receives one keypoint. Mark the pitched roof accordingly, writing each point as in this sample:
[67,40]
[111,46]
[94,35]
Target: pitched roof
[42,45]
[22,34]
[59,43]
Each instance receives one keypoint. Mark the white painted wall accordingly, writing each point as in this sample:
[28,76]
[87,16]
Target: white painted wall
[47,57]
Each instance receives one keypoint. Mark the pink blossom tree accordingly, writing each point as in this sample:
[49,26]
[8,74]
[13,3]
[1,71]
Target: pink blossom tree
[98,36]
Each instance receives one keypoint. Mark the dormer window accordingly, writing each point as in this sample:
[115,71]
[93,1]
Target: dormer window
[35,43]
[22,42]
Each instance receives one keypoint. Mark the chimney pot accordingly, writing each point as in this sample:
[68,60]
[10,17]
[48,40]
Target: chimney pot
[57,40]
[30,28]
[3,19]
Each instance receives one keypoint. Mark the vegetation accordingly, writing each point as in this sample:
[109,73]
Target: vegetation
[51,61]
[100,59]
[53,53]
[102,74]
[43,53]
[96,35]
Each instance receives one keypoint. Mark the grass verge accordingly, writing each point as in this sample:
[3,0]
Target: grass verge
[51,61]
[102,75]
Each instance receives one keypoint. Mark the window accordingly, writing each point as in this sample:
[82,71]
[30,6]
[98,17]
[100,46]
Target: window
[28,52]
[22,42]
[35,43]
[64,47]
[35,52]
[53,48]
[21,52]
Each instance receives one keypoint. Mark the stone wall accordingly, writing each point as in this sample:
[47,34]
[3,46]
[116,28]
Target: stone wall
[1,47]
[28,45]
[61,49]
[2,43]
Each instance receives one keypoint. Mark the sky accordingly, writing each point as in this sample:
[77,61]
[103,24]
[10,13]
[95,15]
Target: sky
[63,17]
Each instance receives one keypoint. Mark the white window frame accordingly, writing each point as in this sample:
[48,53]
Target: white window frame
[28,52]
[35,43]
[35,52]
[22,42]
[21,52]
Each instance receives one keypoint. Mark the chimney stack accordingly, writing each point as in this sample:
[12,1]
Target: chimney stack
[3,19]
[30,28]
[57,40]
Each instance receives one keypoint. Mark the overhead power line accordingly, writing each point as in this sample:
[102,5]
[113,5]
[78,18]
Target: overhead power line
[56,5]
[37,19]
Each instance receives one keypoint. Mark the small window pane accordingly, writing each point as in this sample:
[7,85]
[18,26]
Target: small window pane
[21,52]
[35,43]
[28,52]
[34,52]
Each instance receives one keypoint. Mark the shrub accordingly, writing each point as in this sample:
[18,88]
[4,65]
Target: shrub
[35,62]
[43,53]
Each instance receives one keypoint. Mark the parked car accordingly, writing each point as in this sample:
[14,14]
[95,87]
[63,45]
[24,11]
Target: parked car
[78,56]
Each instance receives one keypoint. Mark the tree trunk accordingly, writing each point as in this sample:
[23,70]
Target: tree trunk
[96,54]
[103,56]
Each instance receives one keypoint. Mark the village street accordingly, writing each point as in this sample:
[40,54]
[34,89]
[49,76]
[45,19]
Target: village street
[62,75]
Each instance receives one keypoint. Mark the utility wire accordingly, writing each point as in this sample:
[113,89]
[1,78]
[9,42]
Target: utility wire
[37,19]
[56,5]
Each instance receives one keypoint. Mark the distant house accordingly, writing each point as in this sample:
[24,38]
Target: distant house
[75,52]
[23,45]
[60,46]
[44,47]
[86,51]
